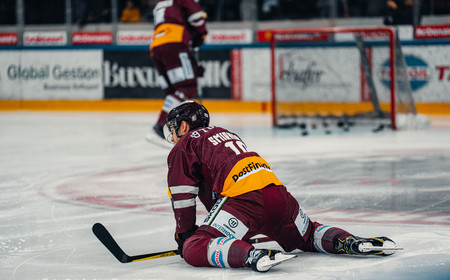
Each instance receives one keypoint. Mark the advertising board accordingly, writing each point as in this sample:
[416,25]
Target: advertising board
[92,38]
[44,38]
[8,38]
[132,74]
[50,74]
[332,73]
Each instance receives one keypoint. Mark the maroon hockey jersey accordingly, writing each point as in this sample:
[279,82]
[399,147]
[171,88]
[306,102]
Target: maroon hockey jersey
[210,163]
[178,21]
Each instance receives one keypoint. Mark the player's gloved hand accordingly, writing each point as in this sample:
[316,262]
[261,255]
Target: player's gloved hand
[181,237]
[200,70]
[198,40]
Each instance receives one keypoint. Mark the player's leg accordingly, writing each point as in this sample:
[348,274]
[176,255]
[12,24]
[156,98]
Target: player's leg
[285,221]
[177,77]
[334,240]
[218,240]
[306,235]
[208,249]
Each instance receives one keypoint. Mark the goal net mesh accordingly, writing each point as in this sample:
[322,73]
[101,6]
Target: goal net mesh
[338,78]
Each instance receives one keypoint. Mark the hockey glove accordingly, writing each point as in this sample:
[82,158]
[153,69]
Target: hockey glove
[200,70]
[198,40]
[181,237]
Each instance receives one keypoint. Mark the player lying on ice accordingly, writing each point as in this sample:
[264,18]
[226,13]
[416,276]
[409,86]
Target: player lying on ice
[244,198]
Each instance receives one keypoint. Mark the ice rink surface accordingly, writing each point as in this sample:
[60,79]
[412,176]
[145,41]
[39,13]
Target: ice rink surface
[62,172]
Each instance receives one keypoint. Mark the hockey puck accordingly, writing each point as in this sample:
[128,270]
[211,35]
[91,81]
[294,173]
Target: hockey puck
[378,129]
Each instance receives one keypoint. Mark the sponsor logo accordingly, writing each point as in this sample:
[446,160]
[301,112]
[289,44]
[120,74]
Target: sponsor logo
[428,32]
[233,222]
[229,36]
[443,72]
[302,222]
[418,71]
[305,77]
[92,38]
[57,72]
[133,76]
[266,36]
[8,38]
[116,75]
[128,37]
[214,210]
[249,169]
[45,38]
[224,229]
[300,37]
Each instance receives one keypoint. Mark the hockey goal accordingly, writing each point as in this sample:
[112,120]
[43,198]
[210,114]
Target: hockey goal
[339,78]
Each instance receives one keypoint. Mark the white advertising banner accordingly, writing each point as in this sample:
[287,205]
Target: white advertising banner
[312,74]
[229,36]
[428,69]
[255,74]
[334,74]
[429,72]
[134,37]
[51,38]
[51,75]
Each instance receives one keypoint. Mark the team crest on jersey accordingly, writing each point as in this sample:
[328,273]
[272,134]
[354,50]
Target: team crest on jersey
[195,134]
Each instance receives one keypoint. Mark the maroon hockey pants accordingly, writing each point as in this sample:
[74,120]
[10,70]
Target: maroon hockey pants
[271,211]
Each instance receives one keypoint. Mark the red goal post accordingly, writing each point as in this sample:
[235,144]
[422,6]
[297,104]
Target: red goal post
[323,35]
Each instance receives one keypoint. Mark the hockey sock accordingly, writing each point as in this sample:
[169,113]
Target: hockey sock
[228,252]
[324,237]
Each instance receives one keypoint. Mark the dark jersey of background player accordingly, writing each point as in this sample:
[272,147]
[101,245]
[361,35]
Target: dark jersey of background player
[180,25]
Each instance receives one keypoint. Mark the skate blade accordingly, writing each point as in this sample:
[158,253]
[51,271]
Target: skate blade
[386,250]
[279,258]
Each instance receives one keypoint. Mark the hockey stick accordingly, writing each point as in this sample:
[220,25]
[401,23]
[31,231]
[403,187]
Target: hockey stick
[105,237]
[199,88]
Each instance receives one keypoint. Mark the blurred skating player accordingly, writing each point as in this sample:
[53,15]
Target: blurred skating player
[244,198]
[180,25]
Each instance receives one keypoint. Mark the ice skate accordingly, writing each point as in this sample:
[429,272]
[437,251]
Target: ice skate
[353,245]
[156,136]
[261,260]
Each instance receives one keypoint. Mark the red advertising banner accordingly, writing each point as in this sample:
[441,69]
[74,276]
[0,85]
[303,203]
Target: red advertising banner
[92,38]
[8,38]
[432,31]
[266,36]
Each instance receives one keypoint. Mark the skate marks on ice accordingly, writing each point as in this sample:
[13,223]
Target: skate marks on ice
[356,207]
[61,173]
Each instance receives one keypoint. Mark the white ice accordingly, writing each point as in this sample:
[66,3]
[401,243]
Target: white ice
[62,172]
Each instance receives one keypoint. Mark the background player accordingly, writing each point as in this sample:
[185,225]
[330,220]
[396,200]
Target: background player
[244,198]
[180,25]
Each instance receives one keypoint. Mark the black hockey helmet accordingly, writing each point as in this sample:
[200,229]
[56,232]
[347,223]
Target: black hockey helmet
[189,111]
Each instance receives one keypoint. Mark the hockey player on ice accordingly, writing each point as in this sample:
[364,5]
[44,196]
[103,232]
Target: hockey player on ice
[180,26]
[244,198]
